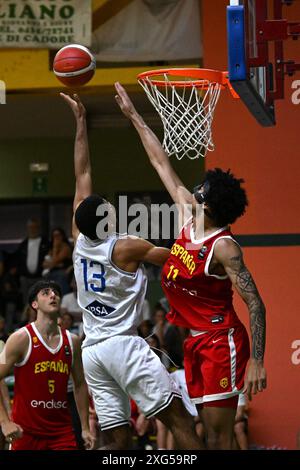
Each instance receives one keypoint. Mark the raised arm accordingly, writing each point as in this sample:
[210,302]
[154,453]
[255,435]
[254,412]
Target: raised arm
[229,254]
[82,164]
[154,149]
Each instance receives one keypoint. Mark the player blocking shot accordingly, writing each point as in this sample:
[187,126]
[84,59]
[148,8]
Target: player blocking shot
[204,264]
[111,285]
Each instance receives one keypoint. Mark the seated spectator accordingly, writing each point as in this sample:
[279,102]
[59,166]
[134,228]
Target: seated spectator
[69,302]
[30,255]
[145,328]
[67,323]
[58,259]
[161,326]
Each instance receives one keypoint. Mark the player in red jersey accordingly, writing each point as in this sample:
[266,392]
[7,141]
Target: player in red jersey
[44,356]
[204,263]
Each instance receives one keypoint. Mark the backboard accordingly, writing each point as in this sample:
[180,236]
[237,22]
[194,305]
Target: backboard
[256,31]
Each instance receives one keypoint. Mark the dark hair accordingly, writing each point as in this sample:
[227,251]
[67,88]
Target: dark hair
[85,215]
[63,234]
[226,199]
[159,306]
[40,285]
[67,314]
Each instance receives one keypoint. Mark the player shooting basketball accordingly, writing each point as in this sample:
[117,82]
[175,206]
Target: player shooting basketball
[111,286]
[197,279]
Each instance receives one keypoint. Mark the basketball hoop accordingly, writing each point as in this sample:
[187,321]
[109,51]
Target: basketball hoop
[186,107]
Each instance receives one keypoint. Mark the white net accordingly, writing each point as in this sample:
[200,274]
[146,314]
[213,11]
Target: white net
[186,109]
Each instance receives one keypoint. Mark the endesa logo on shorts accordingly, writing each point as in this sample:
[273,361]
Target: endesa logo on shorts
[98,309]
[49,405]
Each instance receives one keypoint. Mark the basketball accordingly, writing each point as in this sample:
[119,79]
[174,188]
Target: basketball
[74,65]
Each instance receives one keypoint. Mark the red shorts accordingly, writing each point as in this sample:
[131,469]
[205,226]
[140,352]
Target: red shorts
[30,442]
[215,364]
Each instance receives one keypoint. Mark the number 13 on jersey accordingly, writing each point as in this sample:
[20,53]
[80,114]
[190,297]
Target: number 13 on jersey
[98,276]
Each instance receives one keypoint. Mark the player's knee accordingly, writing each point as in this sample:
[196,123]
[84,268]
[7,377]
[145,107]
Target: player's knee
[217,439]
[119,438]
[176,416]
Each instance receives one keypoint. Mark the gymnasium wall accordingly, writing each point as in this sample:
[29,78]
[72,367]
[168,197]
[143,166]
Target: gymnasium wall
[268,160]
[119,163]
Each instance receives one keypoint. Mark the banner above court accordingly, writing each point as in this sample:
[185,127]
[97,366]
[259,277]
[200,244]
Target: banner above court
[150,30]
[45,23]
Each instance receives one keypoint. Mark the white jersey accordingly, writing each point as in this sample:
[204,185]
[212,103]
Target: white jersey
[111,299]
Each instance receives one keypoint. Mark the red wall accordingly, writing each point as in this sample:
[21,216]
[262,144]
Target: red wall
[268,160]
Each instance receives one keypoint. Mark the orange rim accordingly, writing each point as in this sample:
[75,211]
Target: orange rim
[201,78]
[199,75]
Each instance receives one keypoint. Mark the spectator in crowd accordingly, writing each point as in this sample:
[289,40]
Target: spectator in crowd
[11,298]
[28,316]
[145,328]
[58,259]
[67,322]
[69,302]
[30,255]
[161,325]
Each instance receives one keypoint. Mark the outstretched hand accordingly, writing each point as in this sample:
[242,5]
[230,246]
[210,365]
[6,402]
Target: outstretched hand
[124,101]
[75,104]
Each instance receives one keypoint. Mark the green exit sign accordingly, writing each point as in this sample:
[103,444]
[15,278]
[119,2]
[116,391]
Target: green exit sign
[40,184]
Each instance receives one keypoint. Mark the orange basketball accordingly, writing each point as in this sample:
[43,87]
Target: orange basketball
[74,65]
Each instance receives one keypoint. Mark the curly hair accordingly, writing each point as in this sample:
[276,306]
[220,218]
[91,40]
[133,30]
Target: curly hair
[226,199]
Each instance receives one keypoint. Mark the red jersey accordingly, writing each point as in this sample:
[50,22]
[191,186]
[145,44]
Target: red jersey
[40,404]
[198,300]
